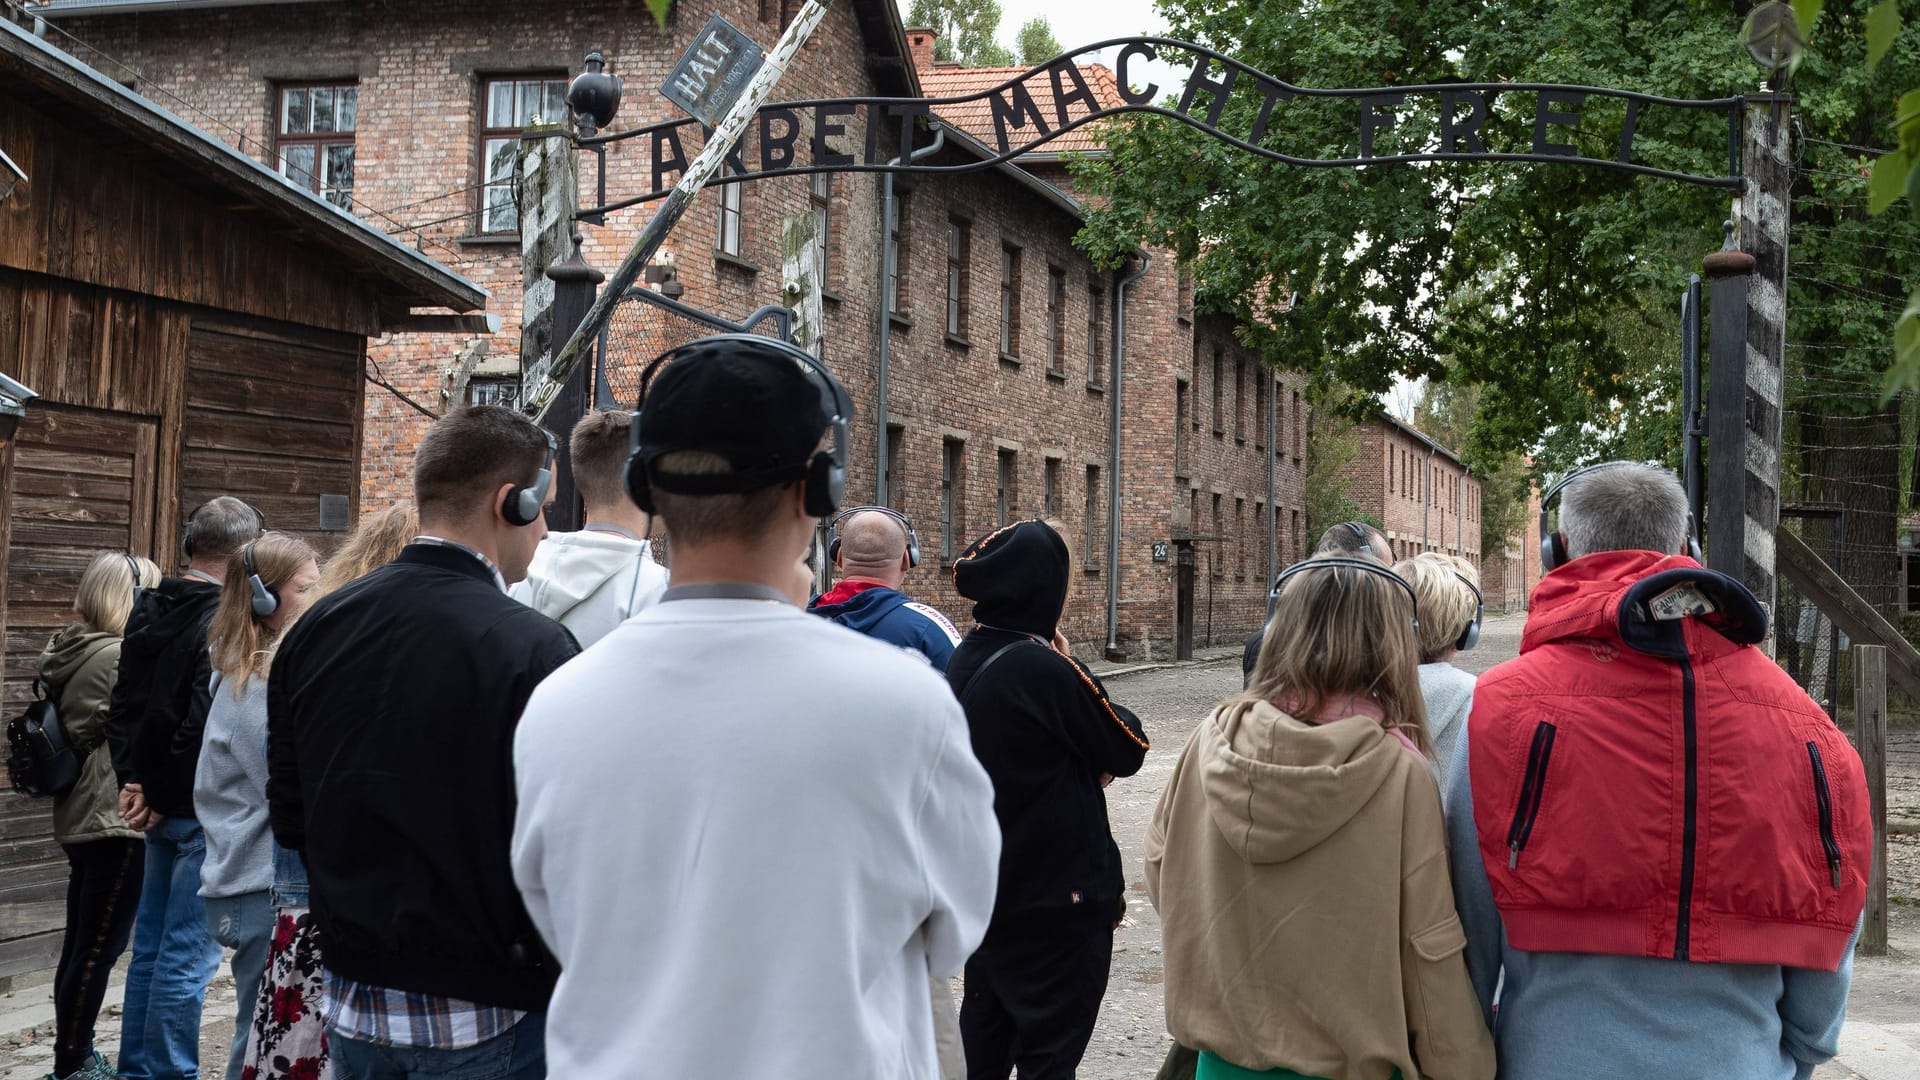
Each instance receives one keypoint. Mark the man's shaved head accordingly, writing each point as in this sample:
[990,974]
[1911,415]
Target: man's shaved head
[1356,540]
[873,547]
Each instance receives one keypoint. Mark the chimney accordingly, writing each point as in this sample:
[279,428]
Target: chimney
[920,46]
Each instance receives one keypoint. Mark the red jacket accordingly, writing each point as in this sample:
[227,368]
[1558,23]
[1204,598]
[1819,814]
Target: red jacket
[1646,782]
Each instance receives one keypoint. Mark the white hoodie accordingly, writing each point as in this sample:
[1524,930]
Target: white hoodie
[590,582]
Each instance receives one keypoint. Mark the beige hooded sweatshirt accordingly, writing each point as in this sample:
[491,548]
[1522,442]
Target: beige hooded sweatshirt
[1300,872]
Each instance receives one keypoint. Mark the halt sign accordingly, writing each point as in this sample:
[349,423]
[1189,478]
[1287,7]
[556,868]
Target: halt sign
[714,72]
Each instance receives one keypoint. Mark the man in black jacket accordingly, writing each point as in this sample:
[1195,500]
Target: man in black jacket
[391,709]
[153,726]
[1051,741]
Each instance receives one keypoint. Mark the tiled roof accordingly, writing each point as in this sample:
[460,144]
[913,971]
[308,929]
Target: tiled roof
[976,117]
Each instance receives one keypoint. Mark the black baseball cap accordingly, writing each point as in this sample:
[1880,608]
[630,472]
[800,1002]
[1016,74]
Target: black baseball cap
[759,403]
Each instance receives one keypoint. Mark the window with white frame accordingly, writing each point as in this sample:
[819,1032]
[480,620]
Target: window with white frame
[510,104]
[314,141]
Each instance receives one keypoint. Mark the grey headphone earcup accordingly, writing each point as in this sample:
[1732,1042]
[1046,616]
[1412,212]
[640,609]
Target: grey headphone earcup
[265,600]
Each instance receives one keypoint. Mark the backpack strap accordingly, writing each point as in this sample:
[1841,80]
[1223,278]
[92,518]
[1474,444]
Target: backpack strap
[995,655]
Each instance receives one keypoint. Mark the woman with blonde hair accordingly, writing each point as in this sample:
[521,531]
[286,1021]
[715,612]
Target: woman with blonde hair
[105,859]
[1448,591]
[1298,856]
[374,543]
[288,1036]
[268,583]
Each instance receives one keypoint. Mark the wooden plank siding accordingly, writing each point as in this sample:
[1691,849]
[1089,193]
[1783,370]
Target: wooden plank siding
[102,211]
[271,417]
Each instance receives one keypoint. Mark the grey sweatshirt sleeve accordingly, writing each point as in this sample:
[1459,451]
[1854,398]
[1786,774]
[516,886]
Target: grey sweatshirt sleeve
[1813,1005]
[1472,895]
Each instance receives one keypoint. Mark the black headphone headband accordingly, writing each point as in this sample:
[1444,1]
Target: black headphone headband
[1374,568]
[825,472]
[906,526]
[1553,544]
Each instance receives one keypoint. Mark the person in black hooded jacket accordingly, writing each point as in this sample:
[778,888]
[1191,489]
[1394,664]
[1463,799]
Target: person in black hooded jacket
[1051,741]
[155,718]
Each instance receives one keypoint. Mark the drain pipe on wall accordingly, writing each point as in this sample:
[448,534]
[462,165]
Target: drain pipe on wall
[888,209]
[1426,508]
[1113,478]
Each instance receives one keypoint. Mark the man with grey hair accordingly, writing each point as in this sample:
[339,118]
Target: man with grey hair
[153,725]
[1658,839]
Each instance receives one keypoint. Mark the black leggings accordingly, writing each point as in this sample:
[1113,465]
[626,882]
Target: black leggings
[103,891]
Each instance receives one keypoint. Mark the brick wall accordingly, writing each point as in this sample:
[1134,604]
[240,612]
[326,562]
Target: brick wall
[419,69]
[1424,499]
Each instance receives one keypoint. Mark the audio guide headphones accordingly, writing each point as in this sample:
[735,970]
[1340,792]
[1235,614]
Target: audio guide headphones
[186,534]
[1553,544]
[1470,636]
[824,471]
[522,505]
[265,601]
[1374,568]
[913,538]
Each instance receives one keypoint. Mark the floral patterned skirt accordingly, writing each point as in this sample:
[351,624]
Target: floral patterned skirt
[289,1037]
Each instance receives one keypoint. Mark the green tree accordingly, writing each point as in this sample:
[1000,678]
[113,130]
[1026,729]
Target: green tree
[1555,288]
[1036,41]
[963,31]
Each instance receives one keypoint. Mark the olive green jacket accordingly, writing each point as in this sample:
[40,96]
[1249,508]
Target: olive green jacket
[79,666]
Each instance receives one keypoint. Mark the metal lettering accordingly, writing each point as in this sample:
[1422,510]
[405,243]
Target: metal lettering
[1453,128]
[1145,52]
[1625,156]
[776,152]
[1217,90]
[1062,97]
[1272,93]
[825,127]
[1015,106]
[668,157]
[1372,120]
[1547,110]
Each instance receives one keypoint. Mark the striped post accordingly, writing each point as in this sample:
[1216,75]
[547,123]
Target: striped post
[1767,162]
[1747,339]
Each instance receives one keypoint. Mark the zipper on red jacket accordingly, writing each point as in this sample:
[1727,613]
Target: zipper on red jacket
[1532,786]
[1688,836]
[1824,797]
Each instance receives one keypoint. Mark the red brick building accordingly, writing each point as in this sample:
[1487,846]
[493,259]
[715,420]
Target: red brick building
[1424,497]
[1021,379]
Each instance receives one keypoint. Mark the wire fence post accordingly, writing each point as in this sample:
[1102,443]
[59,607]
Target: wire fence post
[1767,163]
[1870,716]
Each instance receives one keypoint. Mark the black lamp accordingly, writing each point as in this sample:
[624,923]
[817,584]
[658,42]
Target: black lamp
[594,95]
[13,406]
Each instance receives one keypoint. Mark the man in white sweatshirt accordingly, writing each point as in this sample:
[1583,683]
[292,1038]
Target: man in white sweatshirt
[592,580]
[749,835]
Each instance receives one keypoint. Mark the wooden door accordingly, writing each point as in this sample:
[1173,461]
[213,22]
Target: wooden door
[82,483]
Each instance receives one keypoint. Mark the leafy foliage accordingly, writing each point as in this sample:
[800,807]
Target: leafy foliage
[1036,41]
[1525,278]
[1331,447]
[963,31]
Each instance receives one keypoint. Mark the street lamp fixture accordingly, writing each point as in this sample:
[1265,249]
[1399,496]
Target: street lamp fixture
[13,405]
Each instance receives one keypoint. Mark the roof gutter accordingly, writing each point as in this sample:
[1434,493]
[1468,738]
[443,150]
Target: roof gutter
[1113,474]
[128,7]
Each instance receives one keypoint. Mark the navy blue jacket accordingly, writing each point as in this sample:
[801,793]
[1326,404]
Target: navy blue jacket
[890,616]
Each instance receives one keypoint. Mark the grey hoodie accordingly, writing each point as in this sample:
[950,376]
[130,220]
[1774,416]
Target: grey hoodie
[230,791]
[591,582]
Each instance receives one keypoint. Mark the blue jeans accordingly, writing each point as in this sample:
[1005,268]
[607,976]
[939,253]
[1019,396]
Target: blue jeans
[244,924]
[519,1053]
[173,959]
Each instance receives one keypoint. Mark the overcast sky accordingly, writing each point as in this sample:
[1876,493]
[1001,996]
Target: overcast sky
[1083,22]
